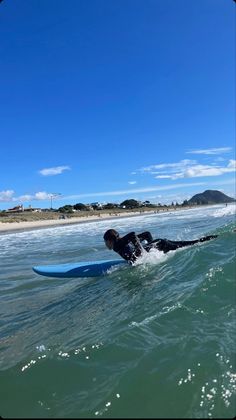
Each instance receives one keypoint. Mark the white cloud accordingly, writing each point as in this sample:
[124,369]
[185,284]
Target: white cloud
[232,164]
[213,151]
[132,182]
[187,169]
[22,198]
[54,171]
[42,195]
[206,170]
[6,195]
[174,166]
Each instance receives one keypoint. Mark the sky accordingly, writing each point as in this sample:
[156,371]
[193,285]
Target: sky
[103,101]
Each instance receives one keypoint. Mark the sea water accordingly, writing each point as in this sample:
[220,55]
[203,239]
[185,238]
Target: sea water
[154,340]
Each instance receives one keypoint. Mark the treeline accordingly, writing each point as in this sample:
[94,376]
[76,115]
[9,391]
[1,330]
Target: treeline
[127,204]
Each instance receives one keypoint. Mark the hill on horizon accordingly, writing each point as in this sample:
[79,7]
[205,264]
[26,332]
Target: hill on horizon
[211,197]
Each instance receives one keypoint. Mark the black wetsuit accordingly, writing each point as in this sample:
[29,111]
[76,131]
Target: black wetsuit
[129,246]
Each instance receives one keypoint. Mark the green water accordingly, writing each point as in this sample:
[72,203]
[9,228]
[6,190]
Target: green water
[156,340]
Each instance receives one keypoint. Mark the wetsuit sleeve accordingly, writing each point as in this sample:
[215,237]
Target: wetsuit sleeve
[132,237]
[145,236]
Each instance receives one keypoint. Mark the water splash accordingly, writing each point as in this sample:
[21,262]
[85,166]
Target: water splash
[152,257]
[225,211]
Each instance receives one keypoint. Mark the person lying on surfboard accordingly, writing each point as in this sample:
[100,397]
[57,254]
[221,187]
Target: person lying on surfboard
[130,248]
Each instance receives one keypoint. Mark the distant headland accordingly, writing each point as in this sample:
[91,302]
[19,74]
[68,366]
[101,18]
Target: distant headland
[210,197]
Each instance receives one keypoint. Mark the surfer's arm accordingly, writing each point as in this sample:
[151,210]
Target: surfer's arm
[145,236]
[132,237]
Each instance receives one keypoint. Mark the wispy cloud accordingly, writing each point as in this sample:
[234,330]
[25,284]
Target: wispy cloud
[204,171]
[42,195]
[213,151]
[175,166]
[164,176]
[187,169]
[38,196]
[150,189]
[9,196]
[6,195]
[54,171]
[132,182]
[46,196]
[134,190]
[23,198]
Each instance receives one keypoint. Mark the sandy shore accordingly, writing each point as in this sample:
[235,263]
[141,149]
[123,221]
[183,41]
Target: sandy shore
[13,227]
[32,225]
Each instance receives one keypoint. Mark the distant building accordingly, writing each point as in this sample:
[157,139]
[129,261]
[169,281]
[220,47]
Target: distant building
[33,209]
[21,208]
[16,209]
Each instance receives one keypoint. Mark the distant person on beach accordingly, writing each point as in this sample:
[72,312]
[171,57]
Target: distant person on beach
[130,248]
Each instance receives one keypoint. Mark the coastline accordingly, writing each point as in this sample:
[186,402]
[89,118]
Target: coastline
[21,226]
[7,227]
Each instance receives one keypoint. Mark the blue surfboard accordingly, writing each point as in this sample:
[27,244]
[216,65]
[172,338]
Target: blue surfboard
[80,269]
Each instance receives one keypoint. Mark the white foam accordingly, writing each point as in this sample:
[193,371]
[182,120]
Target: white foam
[152,257]
[225,211]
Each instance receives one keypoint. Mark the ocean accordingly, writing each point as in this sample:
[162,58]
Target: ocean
[157,340]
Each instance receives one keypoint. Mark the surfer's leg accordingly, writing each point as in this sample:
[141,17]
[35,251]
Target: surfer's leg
[167,245]
[172,245]
[162,245]
[195,241]
[207,238]
[181,244]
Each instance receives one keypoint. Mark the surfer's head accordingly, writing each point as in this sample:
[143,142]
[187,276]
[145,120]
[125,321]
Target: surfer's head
[110,236]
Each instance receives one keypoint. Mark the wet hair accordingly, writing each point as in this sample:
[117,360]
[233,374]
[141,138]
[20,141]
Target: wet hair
[110,234]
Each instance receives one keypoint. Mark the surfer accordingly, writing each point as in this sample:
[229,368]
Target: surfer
[130,247]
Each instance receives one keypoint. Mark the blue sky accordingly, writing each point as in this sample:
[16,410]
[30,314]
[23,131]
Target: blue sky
[108,100]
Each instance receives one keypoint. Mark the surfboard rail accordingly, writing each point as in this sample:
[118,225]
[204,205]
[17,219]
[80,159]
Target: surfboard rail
[79,269]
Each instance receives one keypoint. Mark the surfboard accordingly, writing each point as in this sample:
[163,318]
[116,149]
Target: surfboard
[79,269]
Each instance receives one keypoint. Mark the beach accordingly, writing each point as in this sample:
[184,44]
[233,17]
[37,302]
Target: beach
[10,227]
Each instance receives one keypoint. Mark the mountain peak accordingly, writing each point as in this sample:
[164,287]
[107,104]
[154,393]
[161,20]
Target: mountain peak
[211,197]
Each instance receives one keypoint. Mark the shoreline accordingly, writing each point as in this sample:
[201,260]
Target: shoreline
[22,226]
[15,227]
